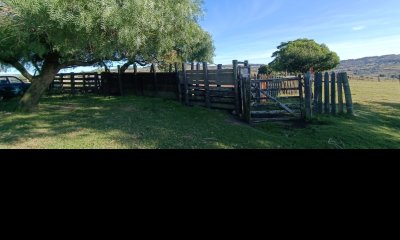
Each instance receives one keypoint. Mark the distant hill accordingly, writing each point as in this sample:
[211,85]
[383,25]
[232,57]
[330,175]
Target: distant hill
[385,67]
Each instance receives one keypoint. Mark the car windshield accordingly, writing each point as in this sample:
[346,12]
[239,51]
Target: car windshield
[14,80]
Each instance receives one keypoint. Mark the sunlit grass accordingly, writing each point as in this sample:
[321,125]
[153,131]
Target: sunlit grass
[93,122]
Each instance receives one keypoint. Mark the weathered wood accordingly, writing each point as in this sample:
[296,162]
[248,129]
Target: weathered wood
[218,79]
[121,91]
[340,94]
[319,86]
[84,83]
[326,91]
[235,80]
[347,94]
[207,85]
[72,83]
[192,66]
[333,93]
[96,82]
[301,96]
[307,92]
[170,68]
[155,79]
[247,99]
[185,84]
[180,97]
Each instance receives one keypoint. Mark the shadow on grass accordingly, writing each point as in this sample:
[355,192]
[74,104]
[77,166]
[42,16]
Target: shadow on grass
[122,122]
[140,123]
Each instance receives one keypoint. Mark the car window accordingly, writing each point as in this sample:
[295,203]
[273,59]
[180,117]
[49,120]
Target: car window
[3,80]
[14,80]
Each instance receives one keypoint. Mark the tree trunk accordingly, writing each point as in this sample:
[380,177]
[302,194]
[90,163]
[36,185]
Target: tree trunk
[30,100]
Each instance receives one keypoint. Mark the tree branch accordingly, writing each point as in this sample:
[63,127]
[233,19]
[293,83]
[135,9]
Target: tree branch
[77,63]
[20,68]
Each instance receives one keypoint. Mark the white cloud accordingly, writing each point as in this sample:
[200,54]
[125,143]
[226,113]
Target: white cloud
[358,28]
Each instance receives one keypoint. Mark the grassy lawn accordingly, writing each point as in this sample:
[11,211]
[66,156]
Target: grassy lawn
[92,122]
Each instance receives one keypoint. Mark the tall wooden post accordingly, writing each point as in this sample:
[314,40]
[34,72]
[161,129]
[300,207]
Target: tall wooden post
[84,83]
[319,87]
[186,85]
[192,66]
[207,84]
[198,69]
[340,94]
[73,83]
[307,92]
[236,85]
[219,68]
[347,94]
[170,68]
[302,108]
[247,97]
[120,80]
[333,93]
[326,91]
[180,97]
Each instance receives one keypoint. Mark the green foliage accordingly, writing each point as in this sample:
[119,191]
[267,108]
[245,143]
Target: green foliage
[87,31]
[300,55]
[265,69]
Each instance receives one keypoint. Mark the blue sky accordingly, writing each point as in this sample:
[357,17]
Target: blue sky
[252,29]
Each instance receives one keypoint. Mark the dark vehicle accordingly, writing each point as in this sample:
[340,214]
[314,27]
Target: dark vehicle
[12,87]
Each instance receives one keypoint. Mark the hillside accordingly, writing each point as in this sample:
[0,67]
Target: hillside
[383,67]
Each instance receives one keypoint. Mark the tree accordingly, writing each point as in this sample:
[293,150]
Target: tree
[50,35]
[265,69]
[300,55]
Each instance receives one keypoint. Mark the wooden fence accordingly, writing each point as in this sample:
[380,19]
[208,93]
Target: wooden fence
[200,86]
[76,83]
[327,94]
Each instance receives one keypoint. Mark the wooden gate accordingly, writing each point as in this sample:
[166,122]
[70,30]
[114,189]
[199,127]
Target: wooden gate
[271,99]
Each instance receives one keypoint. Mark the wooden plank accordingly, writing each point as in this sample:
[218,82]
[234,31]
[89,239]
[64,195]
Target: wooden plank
[180,97]
[236,86]
[333,93]
[307,92]
[319,87]
[121,91]
[326,91]
[340,94]
[185,84]
[347,94]
[205,70]
[247,102]
[72,83]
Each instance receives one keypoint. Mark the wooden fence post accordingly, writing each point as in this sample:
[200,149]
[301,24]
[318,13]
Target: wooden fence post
[307,92]
[219,68]
[333,93]
[192,66]
[236,85]
[301,97]
[120,80]
[179,83]
[198,69]
[340,93]
[186,85]
[97,83]
[62,83]
[72,83]
[84,83]
[247,97]
[207,84]
[170,68]
[155,85]
[347,94]
[326,91]
[319,87]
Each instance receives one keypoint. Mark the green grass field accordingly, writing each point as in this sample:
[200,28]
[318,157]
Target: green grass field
[92,122]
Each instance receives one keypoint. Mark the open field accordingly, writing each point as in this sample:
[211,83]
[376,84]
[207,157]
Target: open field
[92,122]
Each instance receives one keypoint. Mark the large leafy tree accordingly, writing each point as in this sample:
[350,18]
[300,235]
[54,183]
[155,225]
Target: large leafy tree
[300,55]
[50,35]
